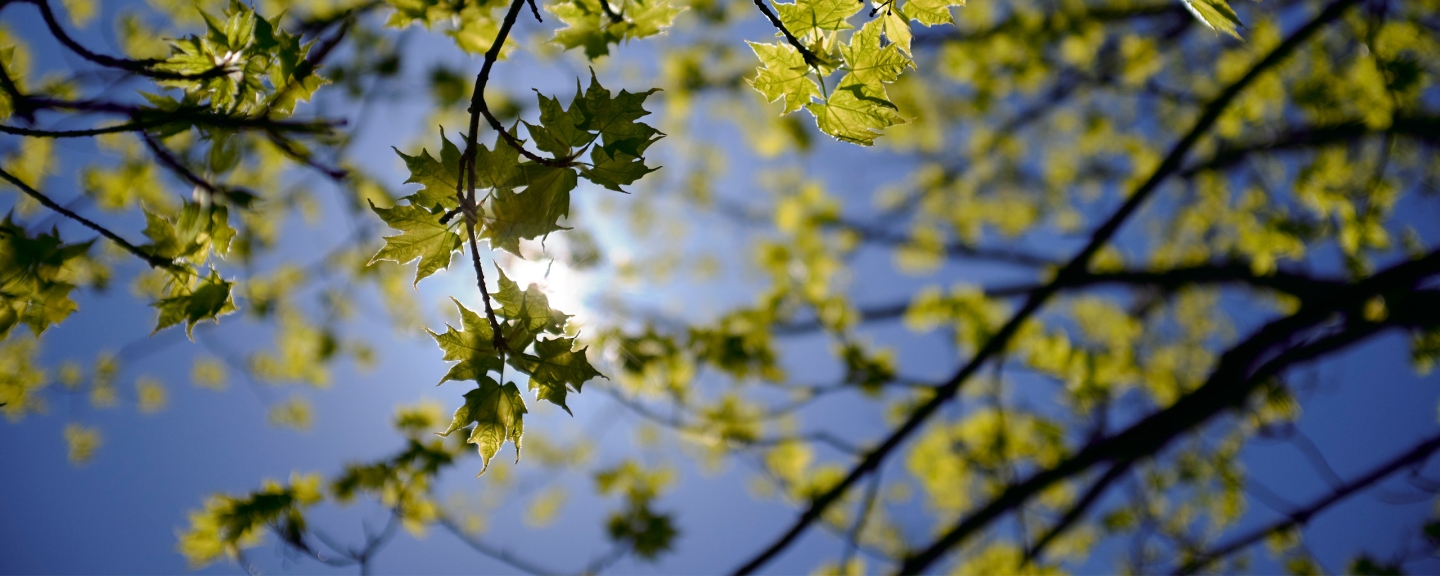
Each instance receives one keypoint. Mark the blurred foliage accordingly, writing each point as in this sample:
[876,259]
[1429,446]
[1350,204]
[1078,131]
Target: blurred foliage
[1111,232]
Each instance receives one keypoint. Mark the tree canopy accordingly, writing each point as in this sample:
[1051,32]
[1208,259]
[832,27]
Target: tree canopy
[1020,286]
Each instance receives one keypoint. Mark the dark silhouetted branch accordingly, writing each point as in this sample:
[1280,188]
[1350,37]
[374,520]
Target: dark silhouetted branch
[141,67]
[1299,517]
[151,259]
[1424,128]
[805,53]
[1265,354]
[1077,267]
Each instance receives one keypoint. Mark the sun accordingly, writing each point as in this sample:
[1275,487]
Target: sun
[567,288]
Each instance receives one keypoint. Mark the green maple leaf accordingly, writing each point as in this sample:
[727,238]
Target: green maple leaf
[932,12]
[498,413]
[426,12]
[614,117]
[806,17]
[209,299]
[559,132]
[474,347]
[422,236]
[588,24]
[615,168]
[437,178]
[532,213]
[498,168]
[647,18]
[249,49]
[291,71]
[35,280]
[869,63]
[192,235]
[855,114]
[1215,14]
[897,27]
[555,369]
[527,313]
[785,75]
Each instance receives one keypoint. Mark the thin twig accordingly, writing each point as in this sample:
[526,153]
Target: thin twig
[483,548]
[36,133]
[1077,511]
[151,259]
[852,540]
[141,67]
[171,161]
[805,53]
[1300,517]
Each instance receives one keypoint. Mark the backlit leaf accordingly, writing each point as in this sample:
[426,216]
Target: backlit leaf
[208,299]
[422,236]
[806,17]
[474,347]
[785,75]
[498,414]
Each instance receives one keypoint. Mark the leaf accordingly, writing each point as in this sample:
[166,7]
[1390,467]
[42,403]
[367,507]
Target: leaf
[613,169]
[588,24]
[855,114]
[615,117]
[1215,14]
[208,300]
[897,27]
[474,347]
[532,213]
[806,17]
[192,235]
[558,132]
[36,278]
[423,237]
[437,178]
[554,369]
[869,63]
[785,75]
[499,168]
[931,12]
[526,313]
[498,414]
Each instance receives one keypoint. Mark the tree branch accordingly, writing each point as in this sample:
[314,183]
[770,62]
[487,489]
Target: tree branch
[1075,268]
[1421,127]
[495,553]
[84,133]
[141,67]
[1299,517]
[151,259]
[478,107]
[1239,371]
[168,158]
[1299,285]
[805,53]
[1077,511]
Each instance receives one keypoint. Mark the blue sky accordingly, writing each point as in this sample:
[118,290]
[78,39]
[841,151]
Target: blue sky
[120,512]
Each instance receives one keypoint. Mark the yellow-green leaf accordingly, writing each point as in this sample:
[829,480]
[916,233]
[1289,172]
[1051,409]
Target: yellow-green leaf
[498,414]
[422,236]
[785,75]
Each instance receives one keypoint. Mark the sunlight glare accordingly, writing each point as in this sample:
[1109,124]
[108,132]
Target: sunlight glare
[566,287]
